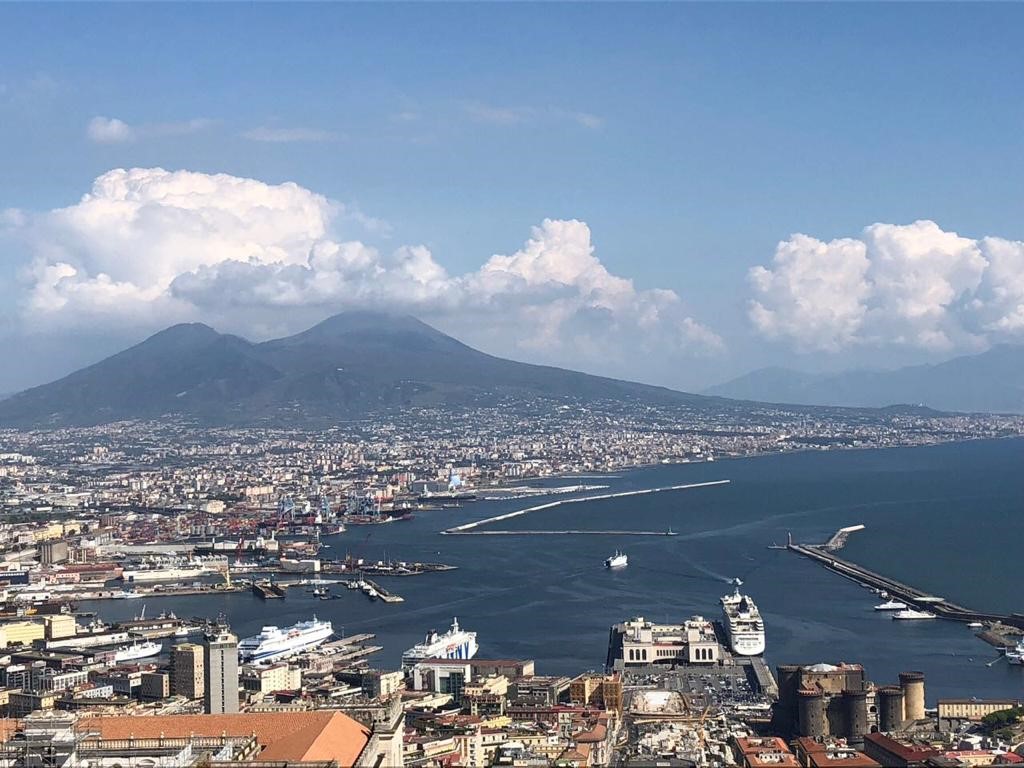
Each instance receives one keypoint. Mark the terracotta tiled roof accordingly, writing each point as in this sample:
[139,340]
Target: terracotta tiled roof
[292,736]
[7,728]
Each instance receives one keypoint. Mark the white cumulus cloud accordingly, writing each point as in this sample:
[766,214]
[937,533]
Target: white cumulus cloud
[911,285]
[149,246]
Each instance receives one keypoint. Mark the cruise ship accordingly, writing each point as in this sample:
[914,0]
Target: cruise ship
[276,643]
[456,643]
[743,623]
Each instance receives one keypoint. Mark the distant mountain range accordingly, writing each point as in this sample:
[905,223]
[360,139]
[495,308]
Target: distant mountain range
[992,381]
[346,366]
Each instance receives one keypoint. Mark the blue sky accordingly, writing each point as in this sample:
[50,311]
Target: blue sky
[690,139]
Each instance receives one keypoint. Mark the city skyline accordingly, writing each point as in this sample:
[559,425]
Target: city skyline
[479,385]
[608,189]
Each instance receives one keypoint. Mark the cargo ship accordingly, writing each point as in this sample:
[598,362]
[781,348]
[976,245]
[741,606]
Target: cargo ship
[456,643]
[275,643]
[743,623]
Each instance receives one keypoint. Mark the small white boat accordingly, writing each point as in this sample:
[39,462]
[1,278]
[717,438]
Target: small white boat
[975,625]
[127,594]
[912,615]
[892,605]
[618,560]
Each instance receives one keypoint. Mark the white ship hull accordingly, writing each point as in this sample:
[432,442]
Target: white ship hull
[618,560]
[273,643]
[1015,655]
[138,651]
[743,624]
[162,574]
[454,644]
[892,605]
[751,644]
[910,615]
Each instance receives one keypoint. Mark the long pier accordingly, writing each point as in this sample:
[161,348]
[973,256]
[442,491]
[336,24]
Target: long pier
[903,592]
[568,533]
[375,590]
[467,528]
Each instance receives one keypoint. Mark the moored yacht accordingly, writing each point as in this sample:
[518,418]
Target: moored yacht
[912,615]
[891,605]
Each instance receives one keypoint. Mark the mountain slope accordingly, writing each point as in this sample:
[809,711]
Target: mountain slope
[991,381]
[184,368]
[345,366]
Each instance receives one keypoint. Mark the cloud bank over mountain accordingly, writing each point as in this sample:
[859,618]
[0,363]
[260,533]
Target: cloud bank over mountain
[147,246]
[911,285]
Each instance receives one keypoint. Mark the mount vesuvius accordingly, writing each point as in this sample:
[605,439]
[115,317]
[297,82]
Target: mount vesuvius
[346,366]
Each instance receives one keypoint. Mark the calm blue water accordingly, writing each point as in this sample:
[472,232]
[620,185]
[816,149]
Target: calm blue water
[945,518]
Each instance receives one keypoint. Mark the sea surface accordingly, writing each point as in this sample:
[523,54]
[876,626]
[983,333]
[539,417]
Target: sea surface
[948,519]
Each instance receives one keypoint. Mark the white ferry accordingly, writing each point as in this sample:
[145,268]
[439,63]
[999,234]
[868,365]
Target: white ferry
[275,643]
[456,643]
[743,623]
[618,560]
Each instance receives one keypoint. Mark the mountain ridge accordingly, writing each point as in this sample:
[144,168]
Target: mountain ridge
[345,366]
[990,381]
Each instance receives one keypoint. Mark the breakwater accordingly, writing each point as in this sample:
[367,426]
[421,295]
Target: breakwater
[669,532]
[468,528]
[912,596]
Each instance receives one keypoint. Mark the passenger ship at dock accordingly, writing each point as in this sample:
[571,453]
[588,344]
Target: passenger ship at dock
[274,643]
[743,623]
[456,643]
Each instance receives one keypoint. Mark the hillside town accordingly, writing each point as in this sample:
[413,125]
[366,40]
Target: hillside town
[397,456]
